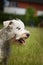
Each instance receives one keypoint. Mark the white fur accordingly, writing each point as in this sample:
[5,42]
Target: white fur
[16,23]
[12,29]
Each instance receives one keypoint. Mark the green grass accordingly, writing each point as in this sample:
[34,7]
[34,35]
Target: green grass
[31,53]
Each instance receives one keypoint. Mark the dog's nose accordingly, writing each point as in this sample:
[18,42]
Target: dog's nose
[27,34]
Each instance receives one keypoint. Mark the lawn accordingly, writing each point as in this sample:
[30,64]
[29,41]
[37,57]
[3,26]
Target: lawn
[31,53]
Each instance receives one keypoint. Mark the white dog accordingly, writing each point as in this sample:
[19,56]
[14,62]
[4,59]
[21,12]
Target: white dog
[11,29]
[17,30]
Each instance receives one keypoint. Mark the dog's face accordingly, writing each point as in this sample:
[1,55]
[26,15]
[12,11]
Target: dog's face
[16,30]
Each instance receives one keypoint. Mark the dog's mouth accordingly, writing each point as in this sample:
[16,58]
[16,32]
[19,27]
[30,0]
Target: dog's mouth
[21,40]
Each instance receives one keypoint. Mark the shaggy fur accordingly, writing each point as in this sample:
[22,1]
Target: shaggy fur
[11,29]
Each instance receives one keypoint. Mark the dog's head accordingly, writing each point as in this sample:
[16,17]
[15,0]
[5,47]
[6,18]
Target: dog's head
[16,30]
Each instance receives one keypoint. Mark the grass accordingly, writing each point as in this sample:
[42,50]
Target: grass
[31,53]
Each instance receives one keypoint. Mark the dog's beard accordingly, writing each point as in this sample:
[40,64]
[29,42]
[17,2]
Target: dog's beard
[21,40]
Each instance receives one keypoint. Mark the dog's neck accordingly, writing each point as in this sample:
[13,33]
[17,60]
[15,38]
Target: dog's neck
[3,34]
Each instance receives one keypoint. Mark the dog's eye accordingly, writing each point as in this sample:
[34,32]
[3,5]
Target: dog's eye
[18,28]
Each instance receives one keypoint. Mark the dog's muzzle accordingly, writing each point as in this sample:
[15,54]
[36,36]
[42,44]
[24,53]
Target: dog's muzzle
[23,38]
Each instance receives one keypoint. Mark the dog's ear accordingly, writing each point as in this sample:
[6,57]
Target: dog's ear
[10,23]
[7,23]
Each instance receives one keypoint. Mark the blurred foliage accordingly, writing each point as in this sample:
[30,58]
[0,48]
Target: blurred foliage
[1,5]
[29,17]
[29,20]
[5,16]
[29,13]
